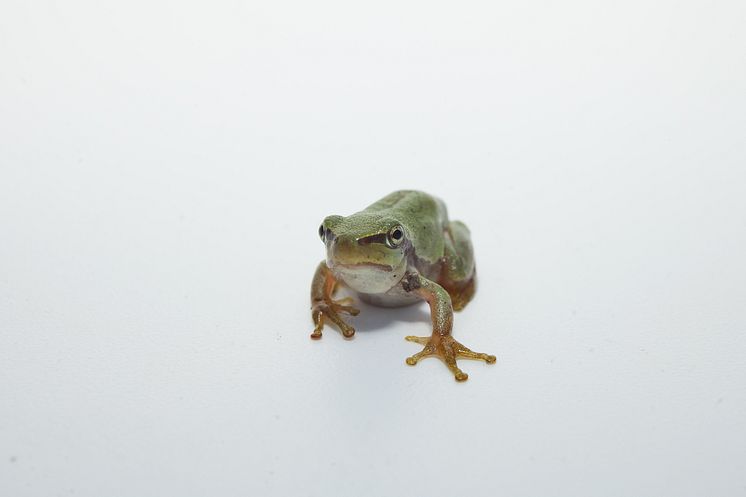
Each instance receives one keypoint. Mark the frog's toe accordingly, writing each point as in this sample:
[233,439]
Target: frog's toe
[427,351]
[465,353]
[316,333]
[347,330]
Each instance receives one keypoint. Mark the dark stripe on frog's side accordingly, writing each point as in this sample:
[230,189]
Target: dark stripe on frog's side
[379,238]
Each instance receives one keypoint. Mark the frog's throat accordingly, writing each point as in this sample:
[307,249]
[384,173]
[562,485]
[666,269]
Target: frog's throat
[370,277]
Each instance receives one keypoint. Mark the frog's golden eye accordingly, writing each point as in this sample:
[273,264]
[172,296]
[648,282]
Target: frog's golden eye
[322,233]
[395,236]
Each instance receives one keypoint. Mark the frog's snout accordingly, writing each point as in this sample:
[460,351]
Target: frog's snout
[367,268]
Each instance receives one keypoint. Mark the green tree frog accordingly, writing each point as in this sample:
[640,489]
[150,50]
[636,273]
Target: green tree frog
[399,251]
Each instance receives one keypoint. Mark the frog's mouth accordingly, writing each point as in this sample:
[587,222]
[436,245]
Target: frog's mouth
[372,265]
[370,277]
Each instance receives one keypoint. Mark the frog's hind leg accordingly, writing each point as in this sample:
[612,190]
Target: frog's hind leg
[458,276]
[462,295]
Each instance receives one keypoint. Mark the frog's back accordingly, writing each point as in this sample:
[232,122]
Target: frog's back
[423,216]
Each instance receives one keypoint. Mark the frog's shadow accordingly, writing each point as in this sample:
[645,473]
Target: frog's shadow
[373,318]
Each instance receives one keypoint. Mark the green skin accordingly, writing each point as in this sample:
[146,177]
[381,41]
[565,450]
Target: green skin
[399,251]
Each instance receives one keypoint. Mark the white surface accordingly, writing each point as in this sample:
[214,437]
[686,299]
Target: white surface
[164,168]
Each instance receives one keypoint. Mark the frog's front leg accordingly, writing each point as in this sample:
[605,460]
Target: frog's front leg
[324,307]
[441,343]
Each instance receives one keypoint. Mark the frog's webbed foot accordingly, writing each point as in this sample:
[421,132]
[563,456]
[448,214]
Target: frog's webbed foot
[449,350]
[330,309]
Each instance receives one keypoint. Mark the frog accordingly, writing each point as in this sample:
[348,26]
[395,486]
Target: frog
[398,251]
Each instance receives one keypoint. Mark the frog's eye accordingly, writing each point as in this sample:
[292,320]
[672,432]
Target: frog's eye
[322,233]
[395,236]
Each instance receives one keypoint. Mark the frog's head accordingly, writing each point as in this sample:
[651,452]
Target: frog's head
[367,252]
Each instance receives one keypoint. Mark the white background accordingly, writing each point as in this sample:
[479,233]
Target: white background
[164,167]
